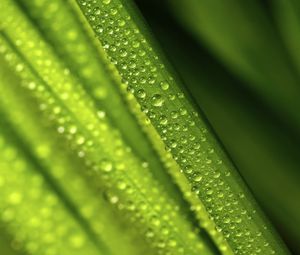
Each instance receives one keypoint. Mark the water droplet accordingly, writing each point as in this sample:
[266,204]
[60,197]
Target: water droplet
[15,198]
[121,185]
[197,177]
[135,44]
[106,165]
[80,140]
[99,29]
[123,53]
[19,67]
[97,11]
[77,241]
[121,22]
[141,94]
[101,114]
[60,129]
[31,85]
[182,111]
[164,85]
[73,129]
[188,169]
[163,120]
[174,114]
[157,100]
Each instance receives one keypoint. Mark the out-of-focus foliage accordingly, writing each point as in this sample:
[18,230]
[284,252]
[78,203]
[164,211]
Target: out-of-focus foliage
[105,151]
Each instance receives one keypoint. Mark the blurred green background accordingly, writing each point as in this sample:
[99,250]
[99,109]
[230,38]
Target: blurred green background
[240,61]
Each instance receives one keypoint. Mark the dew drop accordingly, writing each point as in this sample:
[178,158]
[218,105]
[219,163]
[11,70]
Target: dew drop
[101,114]
[121,22]
[164,85]
[163,120]
[60,129]
[157,100]
[97,11]
[123,53]
[77,241]
[188,169]
[114,199]
[99,29]
[31,85]
[80,140]
[141,94]
[106,165]
[197,178]
[135,44]
[73,129]
[19,67]
[15,198]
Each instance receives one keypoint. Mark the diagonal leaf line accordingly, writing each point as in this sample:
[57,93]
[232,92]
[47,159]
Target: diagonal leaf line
[212,176]
[17,140]
[80,79]
[6,37]
[22,6]
[184,204]
[42,169]
[130,6]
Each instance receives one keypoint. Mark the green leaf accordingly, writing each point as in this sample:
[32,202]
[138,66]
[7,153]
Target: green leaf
[203,162]
[60,166]
[103,150]
[125,180]
[60,23]
[230,109]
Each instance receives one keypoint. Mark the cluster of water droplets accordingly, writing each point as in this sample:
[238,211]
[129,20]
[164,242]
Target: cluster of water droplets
[184,133]
[70,110]
[24,190]
[66,170]
[76,44]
